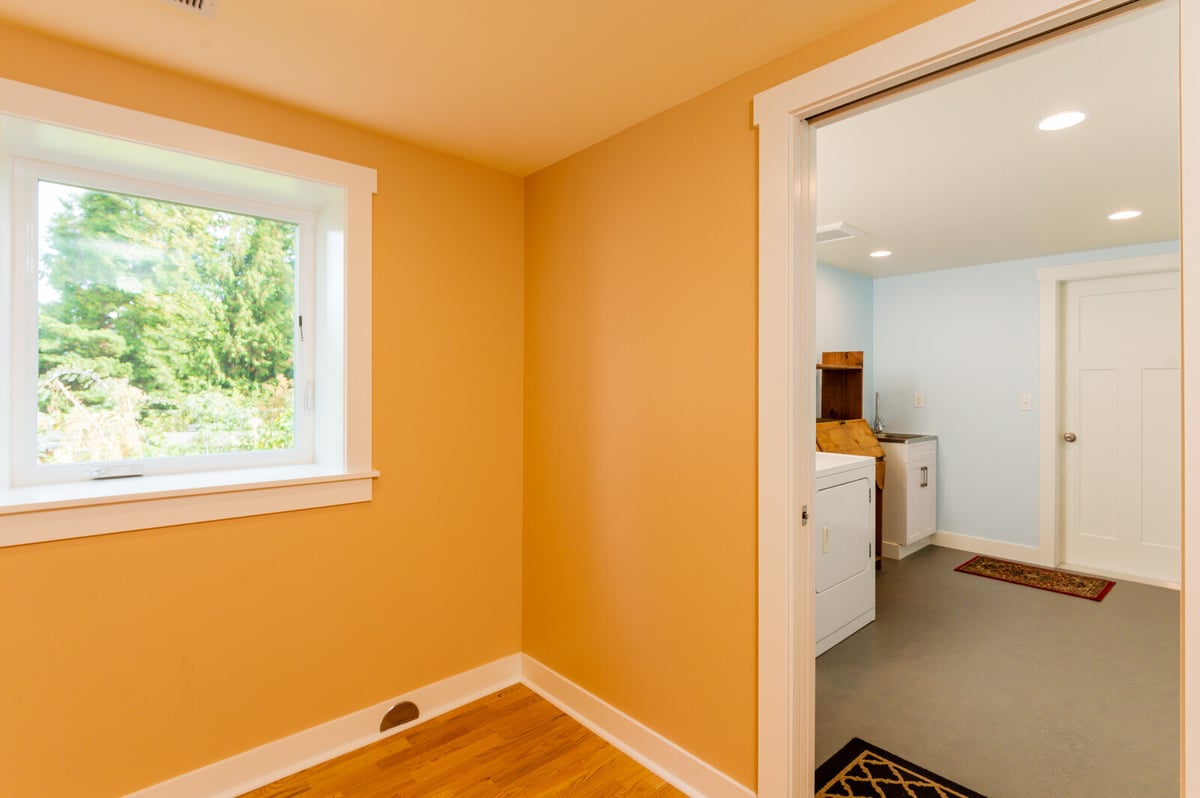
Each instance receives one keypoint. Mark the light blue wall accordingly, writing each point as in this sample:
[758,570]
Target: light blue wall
[845,322]
[968,339]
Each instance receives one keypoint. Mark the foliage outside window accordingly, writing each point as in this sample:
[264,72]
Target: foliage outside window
[164,329]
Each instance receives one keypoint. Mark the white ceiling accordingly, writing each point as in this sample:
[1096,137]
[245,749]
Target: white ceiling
[514,84]
[959,174]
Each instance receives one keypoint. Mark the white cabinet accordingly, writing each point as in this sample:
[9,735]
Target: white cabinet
[909,490]
[842,539]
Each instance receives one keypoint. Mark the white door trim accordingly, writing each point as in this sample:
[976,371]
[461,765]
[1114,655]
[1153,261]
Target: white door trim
[786,666]
[1051,281]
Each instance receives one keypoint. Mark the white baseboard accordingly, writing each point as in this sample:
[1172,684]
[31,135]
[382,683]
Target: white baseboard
[1031,555]
[650,749]
[267,763]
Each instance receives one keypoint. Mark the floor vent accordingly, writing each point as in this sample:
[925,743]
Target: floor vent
[404,712]
[203,7]
[838,231]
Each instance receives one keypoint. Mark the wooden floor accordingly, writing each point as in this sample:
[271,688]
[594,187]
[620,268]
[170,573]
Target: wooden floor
[512,744]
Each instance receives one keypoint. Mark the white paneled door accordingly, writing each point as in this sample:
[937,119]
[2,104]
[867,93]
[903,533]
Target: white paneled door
[1120,430]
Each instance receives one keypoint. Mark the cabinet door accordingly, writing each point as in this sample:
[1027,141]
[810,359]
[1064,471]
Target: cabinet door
[921,490]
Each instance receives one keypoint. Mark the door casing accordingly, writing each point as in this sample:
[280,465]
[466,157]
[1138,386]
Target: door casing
[1051,281]
[786,667]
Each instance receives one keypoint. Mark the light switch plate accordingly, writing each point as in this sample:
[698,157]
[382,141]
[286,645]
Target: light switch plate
[1026,401]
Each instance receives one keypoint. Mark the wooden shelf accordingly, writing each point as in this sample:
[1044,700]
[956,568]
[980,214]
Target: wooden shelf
[841,384]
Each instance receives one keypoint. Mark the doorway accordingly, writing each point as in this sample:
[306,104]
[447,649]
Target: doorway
[953,316]
[787,187]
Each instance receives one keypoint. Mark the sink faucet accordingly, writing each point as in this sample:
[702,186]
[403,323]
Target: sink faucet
[877,423]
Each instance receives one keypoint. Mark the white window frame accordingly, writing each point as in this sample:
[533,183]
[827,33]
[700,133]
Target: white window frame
[23,447]
[54,135]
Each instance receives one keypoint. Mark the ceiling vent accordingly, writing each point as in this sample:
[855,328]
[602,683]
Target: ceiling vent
[203,7]
[838,231]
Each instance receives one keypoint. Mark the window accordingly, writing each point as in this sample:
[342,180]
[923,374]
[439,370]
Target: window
[181,327]
[167,337]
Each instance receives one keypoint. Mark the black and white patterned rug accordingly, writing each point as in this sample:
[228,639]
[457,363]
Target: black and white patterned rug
[862,770]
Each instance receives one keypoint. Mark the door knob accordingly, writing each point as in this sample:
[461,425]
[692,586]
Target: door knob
[1069,437]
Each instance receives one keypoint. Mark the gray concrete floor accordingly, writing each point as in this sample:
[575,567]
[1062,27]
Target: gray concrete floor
[1008,690]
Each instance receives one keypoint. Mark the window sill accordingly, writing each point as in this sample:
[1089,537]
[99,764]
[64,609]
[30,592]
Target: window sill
[57,512]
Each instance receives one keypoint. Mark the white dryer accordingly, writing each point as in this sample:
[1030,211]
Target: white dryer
[843,541]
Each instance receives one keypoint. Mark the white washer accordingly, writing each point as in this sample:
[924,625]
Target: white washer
[843,542]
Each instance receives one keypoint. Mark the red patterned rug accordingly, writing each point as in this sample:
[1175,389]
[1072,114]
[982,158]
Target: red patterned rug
[1088,587]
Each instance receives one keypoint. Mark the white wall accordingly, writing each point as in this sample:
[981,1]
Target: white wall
[968,339]
[845,323]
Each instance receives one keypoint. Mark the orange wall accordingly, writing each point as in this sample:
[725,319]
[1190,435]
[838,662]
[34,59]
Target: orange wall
[128,659]
[640,411]
[152,653]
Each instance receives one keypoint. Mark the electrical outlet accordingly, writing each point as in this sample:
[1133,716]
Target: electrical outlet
[1026,401]
[918,399]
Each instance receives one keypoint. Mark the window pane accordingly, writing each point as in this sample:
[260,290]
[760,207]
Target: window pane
[163,330]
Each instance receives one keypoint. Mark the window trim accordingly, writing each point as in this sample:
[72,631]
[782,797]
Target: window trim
[342,470]
[27,173]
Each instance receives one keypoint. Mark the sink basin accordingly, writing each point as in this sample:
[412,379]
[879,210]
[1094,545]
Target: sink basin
[903,437]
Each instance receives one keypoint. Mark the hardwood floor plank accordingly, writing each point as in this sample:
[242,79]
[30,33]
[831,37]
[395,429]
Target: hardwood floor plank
[511,744]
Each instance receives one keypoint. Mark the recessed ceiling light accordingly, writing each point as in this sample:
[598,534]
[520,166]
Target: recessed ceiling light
[1061,121]
[1121,215]
[881,253]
